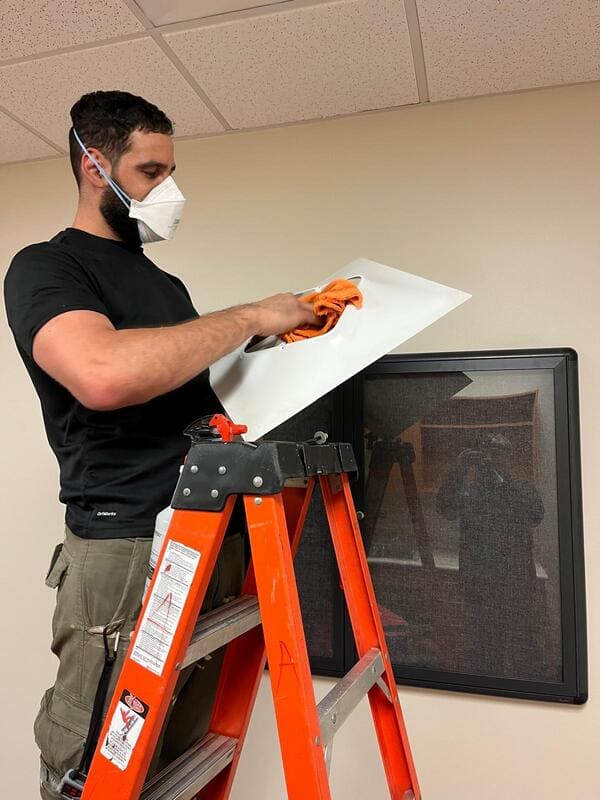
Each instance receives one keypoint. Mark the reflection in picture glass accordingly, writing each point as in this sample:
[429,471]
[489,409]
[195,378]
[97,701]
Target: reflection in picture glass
[460,526]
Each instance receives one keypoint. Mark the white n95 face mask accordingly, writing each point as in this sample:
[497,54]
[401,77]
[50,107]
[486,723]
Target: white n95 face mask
[158,214]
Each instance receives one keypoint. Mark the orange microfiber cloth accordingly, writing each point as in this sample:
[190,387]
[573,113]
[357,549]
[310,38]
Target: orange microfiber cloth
[328,305]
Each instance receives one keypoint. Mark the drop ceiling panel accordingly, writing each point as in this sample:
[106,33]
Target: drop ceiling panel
[41,92]
[19,144]
[28,27]
[490,46]
[319,61]
[164,12]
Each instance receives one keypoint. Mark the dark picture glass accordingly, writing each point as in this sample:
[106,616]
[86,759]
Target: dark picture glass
[470,489]
[460,508]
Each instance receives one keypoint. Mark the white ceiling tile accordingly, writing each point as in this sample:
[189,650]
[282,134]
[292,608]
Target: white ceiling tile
[41,92]
[19,144]
[336,58]
[164,12]
[489,46]
[28,27]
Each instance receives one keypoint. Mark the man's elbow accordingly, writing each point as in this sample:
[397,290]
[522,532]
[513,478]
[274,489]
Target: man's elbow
[104,393]
[99,399]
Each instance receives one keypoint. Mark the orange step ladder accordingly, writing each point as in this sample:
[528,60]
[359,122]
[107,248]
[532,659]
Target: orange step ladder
[276,480]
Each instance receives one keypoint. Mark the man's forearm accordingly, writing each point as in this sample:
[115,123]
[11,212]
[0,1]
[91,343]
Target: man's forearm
[146,362]
[106,369]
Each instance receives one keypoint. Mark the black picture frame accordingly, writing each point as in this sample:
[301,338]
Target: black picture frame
[566,677]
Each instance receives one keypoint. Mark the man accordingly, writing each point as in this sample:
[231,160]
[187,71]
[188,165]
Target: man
[119,358]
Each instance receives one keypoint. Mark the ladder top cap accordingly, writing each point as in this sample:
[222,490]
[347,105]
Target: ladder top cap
[221,469]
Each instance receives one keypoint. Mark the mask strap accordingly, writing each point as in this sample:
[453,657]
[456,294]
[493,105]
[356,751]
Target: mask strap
[123,196]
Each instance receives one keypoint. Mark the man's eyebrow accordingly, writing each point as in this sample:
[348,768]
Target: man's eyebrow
[153,165]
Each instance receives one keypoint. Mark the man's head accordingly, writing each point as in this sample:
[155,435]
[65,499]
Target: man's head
[131,139]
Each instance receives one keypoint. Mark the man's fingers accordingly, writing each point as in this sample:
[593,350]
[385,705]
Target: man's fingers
[312,318]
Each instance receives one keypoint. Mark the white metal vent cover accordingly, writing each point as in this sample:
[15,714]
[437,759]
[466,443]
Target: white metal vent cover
[263,387]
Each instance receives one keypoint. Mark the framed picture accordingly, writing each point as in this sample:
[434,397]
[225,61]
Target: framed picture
[470,498]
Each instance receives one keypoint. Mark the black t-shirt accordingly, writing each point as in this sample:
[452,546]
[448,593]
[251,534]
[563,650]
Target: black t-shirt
[119,468]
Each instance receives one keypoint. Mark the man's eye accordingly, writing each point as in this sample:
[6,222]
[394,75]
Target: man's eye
[151,174]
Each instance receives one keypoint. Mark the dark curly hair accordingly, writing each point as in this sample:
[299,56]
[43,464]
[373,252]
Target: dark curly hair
[106,120]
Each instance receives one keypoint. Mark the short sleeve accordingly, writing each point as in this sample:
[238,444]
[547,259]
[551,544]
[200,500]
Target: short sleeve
[42,282]
[179,283]
[182,287]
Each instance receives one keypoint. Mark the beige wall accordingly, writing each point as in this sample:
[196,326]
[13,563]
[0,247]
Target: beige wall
[498,196]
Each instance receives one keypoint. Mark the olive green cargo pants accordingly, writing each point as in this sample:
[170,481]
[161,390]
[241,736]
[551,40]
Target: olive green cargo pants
[100,582]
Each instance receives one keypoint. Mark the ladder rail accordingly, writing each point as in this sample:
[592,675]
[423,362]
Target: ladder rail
[289,670]
[197,531]
[241,689]
[368,633]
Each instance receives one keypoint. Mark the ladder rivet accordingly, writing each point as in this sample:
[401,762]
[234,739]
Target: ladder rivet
[222,470]
[178,665]
[334,718]
[257,481]
[214,492]
[257,501]
[360,515]
[187,492]
[317,741]
[194,469]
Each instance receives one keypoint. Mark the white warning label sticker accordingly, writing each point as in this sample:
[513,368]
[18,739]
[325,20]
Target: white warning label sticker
[161,617]
[124,730]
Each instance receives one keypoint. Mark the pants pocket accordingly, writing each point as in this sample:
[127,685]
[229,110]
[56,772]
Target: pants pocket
[60,730]
[59,564]
[112,582]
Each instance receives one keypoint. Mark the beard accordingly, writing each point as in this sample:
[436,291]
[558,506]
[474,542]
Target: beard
[117,217]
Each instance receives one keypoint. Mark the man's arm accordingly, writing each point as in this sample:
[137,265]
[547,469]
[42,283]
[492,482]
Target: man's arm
[106,369]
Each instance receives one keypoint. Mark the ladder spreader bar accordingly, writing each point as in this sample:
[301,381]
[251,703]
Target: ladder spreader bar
[335,708]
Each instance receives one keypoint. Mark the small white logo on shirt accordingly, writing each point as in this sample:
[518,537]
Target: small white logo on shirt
[106,513]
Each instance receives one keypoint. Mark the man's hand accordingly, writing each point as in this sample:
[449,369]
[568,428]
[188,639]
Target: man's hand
[282,313]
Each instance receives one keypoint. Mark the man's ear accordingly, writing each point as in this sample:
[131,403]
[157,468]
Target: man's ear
[90,171]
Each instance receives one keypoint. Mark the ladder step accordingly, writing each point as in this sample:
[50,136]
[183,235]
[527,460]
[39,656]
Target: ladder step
[335,708]
[220,626]
[184,778]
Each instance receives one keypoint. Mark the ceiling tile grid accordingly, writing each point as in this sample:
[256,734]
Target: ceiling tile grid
[485,47]
[28,27]
[165,12]
[19,144]
[216,64]
[41,92]
[305,63]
